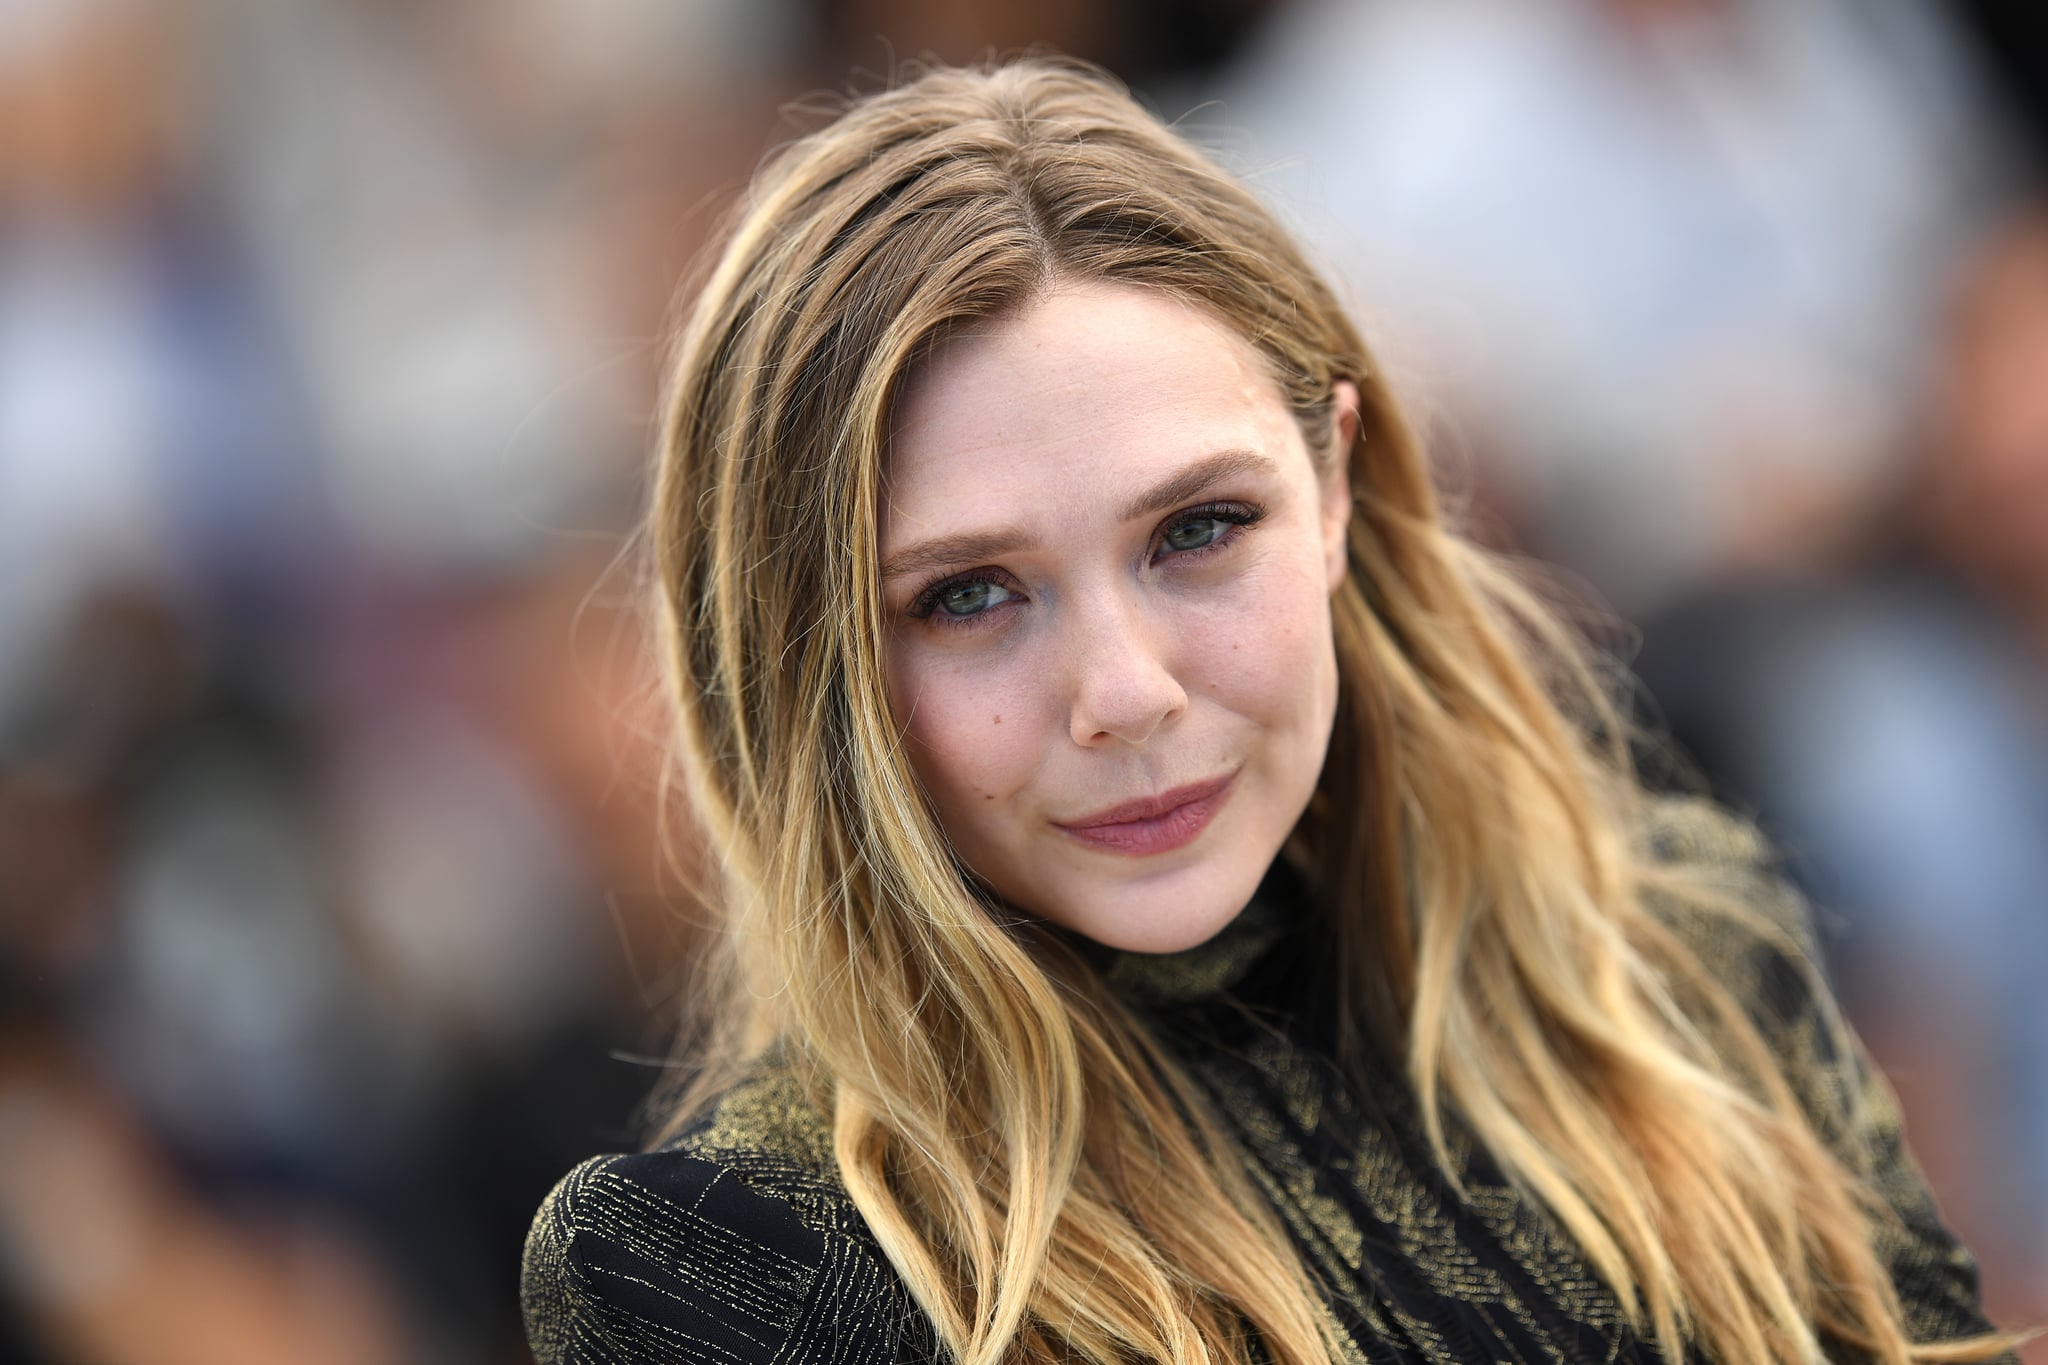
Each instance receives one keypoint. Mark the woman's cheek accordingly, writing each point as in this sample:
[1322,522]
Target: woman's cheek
[972,737]
[1258,645]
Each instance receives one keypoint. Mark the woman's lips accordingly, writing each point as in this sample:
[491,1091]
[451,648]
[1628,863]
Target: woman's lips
[1155,824]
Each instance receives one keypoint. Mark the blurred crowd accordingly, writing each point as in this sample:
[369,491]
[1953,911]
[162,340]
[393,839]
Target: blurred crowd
[336,917]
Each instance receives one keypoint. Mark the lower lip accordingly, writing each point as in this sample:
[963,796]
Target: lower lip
[1176,828]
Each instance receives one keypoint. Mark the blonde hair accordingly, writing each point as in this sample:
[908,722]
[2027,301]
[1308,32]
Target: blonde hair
[1047,1182]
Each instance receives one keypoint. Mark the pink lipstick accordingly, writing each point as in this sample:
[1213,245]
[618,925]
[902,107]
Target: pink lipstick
[1154,824]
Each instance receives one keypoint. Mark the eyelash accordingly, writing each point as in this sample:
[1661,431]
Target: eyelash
[1236,516]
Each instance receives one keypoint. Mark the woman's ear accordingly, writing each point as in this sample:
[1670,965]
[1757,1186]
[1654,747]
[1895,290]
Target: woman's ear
[1336,478]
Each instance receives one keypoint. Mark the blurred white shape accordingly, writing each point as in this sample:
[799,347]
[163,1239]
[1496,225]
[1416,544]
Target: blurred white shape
[1671,262]
[458,432]
[418,180]
[83,393]
[30,30]
[466,886]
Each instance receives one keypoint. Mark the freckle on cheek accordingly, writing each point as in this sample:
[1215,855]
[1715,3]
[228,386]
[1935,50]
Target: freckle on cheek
[998,719]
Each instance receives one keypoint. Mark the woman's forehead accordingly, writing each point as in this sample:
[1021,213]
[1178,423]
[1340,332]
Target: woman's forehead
[1088,389]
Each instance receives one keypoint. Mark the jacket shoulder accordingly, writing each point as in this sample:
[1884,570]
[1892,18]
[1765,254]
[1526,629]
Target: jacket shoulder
[1748,926]
[1765,953]
[1752,932]
[736,1243]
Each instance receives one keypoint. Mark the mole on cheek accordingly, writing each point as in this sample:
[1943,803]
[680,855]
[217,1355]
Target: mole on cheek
[997,719]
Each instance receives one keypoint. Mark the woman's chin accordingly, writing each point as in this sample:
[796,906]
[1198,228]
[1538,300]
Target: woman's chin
[1174,914]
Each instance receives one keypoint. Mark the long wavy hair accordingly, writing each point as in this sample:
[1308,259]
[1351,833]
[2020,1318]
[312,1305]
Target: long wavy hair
[1047,1181]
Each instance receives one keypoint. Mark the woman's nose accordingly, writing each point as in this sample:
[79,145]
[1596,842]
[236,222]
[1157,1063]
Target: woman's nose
[1124,687]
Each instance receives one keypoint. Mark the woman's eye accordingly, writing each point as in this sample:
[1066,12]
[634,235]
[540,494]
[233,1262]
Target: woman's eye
[1200,530]
[1193,535]
[970,598]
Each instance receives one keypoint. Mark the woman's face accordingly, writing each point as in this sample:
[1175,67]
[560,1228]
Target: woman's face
[1107,560]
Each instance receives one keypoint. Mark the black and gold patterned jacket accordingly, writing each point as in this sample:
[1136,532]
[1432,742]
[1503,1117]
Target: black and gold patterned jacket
[736,1243]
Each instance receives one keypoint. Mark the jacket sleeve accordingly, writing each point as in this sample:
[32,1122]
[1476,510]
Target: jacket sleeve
[1935,1275]
[1843,1093]
[673,1258]
[1854,1108]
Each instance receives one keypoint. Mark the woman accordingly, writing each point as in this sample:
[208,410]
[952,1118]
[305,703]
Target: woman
[1180,902]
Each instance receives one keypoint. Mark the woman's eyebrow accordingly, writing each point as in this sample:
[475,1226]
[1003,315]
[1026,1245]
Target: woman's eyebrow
[1197,477]
[942,551]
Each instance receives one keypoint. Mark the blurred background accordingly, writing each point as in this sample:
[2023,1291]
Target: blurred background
[334,924]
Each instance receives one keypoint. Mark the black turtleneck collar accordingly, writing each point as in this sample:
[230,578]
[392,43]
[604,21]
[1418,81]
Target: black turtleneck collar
[1217,968]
